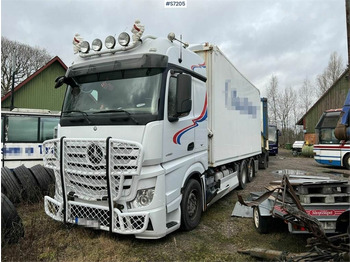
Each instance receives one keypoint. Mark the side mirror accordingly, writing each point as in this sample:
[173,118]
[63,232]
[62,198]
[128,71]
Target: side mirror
[183,92]
[65,80]
[60,81]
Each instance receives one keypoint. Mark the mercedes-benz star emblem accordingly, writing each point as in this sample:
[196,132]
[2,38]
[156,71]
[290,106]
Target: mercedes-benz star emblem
[95,153]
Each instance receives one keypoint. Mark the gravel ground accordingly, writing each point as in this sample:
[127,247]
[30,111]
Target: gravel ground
[217,238]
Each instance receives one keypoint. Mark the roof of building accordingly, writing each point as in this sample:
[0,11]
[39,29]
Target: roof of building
[300,121]
[53,60]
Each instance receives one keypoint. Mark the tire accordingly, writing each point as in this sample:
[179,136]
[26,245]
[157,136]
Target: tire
[263,161]
[261,223]
[11,223]
[10,186]
[243,174]
[346,161]
[251,170]
[191,205]
[42,178]
[51,174]
[30,188]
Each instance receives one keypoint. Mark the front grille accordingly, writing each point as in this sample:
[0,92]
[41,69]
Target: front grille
[85,165]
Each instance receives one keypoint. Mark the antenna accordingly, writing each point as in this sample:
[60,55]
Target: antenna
[171,37]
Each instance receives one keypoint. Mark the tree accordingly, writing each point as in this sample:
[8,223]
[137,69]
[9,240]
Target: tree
[286,102]
[28,60]
[330,74]
[306,95]
[272,94]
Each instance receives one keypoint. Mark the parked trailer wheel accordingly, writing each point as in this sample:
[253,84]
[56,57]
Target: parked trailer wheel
[42,177]
[31,190]
[191,205]
[261,223]
[11,223]
[243,174]
[251,170]
[10,186]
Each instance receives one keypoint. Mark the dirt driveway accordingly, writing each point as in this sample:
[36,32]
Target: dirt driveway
[217,238]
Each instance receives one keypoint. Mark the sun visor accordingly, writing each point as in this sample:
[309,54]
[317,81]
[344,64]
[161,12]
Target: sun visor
[142,61]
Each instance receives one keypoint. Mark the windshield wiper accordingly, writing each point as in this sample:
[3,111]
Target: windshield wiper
[118,111]
[84,114]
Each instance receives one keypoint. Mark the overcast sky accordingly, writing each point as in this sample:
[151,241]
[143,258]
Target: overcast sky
[291,39]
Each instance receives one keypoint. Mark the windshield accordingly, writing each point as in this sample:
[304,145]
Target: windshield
[326,136]
[130,92]
[272,134]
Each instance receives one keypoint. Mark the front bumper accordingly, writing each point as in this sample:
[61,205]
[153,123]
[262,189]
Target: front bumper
[97,216]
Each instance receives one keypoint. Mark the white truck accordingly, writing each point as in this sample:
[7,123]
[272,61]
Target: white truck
[151,134]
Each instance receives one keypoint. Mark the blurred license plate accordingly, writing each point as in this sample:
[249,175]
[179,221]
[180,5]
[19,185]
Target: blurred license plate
[88,222]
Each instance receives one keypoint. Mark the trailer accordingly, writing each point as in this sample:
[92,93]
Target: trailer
[308,204]
[151,134]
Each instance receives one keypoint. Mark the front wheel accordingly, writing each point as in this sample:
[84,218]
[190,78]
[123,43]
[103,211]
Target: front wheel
[191,205]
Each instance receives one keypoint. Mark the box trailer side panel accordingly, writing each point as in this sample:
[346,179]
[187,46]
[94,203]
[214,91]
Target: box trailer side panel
[234,110]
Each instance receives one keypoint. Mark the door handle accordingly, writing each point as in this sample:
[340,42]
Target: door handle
[190,146]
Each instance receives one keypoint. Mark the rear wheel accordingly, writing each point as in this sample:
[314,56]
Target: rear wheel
[251,170]
[191,205]
[263,161]
[261,223]
[243,174]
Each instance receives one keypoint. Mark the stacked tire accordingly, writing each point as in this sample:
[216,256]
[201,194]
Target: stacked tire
[23,184]
[11,223]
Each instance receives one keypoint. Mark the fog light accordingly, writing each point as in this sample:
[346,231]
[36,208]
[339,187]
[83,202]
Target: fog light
[124,39]
[97,45]
[110,42]
[84,47]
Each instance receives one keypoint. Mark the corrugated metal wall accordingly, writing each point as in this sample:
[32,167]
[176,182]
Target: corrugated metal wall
[333,99]
[39,93]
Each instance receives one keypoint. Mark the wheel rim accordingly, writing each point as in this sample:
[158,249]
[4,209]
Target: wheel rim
[244,176]
[251,170]
[256,217]
[192,204]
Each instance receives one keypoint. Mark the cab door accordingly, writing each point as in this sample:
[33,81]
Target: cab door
[178,125]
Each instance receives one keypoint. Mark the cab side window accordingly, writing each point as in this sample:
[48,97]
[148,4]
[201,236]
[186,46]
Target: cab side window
[172,97]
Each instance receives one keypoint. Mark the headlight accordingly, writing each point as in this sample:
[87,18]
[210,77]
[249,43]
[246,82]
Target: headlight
[143,198]
[97,45]
[110,42]
[84,47]
[124,39]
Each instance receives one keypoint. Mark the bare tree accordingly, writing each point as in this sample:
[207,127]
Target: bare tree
[28,60]
[272,98]
[306,95]
[286,102]
[331,73]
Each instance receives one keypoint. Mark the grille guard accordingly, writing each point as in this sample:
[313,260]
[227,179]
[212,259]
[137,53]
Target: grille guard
[92,169]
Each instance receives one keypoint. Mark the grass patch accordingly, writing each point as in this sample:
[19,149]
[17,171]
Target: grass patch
[217,238]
